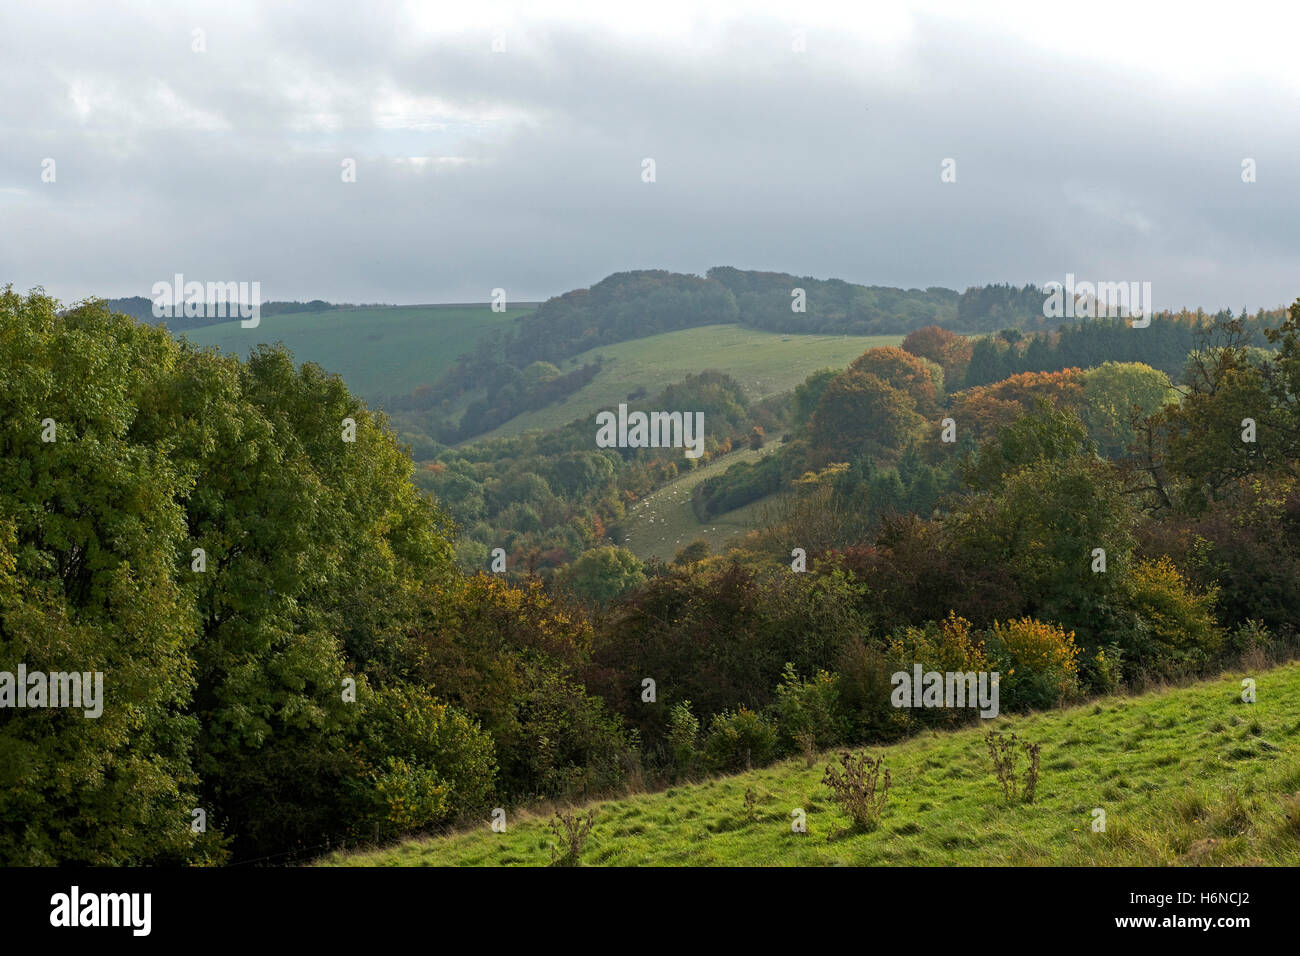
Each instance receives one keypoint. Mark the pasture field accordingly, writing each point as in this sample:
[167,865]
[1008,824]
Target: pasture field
[663,522]
[378,351]
[764,363]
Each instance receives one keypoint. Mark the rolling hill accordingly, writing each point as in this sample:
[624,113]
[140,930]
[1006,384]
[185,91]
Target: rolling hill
[1185,776]
[764,363]
[378,351]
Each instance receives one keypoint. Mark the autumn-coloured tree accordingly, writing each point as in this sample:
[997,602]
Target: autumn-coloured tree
[919,378]
[861,414]
[986,408]
[950,351]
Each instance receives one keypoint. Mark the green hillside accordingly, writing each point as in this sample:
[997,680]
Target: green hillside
[663,522]
[378,351]
[764,363]
[1191,775]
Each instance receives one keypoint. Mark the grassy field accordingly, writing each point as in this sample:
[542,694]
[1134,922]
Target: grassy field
[1185,776]
[664,521]
[382,351]
[764,363]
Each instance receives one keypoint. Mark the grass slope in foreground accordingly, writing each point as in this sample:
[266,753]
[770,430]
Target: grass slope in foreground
[378,352]
[764,363]
[1190,775]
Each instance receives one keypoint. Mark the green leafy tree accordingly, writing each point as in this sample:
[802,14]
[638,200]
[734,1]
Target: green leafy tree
[231,544]
[91,533]
[602,574]
[1045,434]
[539,373]
[1118,393]
[809,393]
[1042,526]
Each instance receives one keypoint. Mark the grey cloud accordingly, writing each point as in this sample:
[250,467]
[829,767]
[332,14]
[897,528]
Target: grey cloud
[824,163]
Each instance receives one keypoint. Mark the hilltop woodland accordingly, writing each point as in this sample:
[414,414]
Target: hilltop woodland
[520,367]
[291,644]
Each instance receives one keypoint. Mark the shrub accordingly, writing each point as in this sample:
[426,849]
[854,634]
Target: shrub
[407,798]
[858,789]
[1036,664]
[739,485]
[569,745]
[944,646]
[1177,627]
[864,683]
[683,737]
[1103,672]
[738,740]
[431,762]
[697,550]
[1250,642]
[808,713]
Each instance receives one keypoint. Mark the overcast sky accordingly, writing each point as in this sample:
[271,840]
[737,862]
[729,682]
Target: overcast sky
[1103,139]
